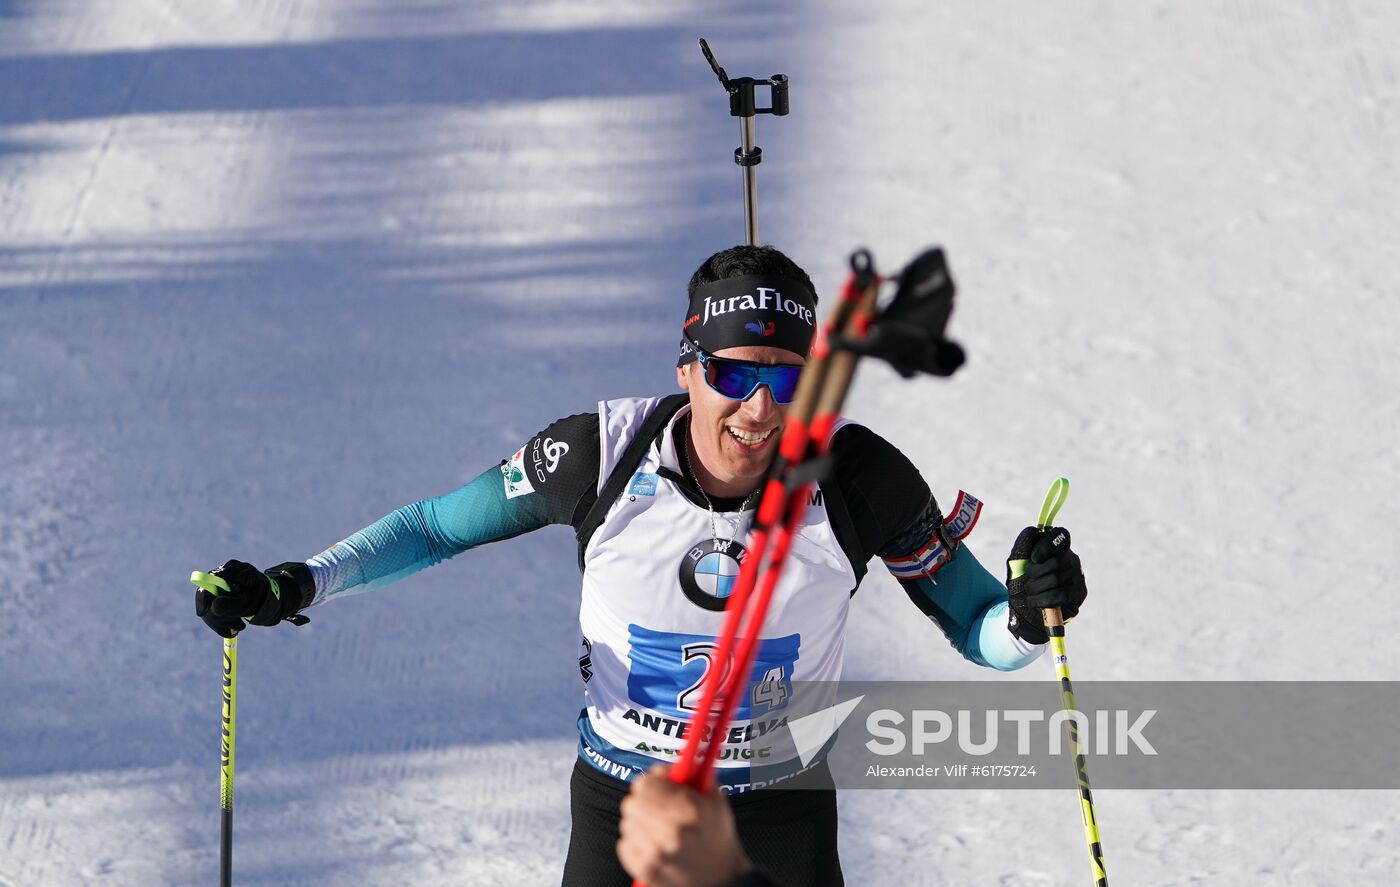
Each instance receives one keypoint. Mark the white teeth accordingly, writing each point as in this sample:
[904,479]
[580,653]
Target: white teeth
[747,438]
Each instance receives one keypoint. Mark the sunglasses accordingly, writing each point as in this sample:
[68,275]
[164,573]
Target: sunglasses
[739,379]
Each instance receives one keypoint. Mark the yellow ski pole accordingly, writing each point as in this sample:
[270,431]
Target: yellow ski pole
[1055,628]
[215,586]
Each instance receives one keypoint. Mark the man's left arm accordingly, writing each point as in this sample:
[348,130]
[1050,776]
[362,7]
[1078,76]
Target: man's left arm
[898,519]
[945,580]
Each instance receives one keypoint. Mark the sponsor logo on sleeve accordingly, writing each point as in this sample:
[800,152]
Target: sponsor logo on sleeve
[553,452]
[517,482]
[545,454]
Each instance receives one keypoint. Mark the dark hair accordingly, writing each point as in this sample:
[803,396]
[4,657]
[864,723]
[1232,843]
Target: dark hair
[740,261]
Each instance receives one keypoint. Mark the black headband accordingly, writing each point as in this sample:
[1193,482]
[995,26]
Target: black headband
[755,310]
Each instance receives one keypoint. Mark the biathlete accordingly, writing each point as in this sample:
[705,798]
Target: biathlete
[660,492]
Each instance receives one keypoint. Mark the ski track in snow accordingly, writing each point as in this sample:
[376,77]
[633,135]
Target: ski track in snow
[270,270]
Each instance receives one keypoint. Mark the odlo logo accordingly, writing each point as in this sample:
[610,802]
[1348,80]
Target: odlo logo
[545,456]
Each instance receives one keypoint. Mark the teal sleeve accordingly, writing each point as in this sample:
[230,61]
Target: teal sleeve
[969,604]
[425,533]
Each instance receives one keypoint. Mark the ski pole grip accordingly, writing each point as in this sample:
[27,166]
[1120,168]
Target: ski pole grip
[1053,618]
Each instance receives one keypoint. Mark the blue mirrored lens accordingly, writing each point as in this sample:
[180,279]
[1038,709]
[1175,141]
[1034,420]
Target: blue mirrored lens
[738,379]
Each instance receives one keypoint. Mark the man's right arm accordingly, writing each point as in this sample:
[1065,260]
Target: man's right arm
[547,481]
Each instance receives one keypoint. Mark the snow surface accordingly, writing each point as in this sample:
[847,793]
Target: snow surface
[271,269]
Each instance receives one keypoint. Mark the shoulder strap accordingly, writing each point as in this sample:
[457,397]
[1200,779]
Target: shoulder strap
[843,526]
[622,472]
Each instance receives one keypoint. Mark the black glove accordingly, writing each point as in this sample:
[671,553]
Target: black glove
[262,598]
[1051,577]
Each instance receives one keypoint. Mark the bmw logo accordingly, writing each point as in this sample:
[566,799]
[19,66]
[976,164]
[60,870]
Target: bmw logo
[709,572]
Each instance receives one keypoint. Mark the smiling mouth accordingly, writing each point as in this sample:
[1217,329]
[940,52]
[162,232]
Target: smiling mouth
[749,439]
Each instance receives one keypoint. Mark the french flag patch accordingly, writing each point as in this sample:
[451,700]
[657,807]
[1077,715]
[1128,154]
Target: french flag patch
[924,562]
[935,552]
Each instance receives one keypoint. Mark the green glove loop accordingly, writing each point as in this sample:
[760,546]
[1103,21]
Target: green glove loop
[209,582]
[1054,498]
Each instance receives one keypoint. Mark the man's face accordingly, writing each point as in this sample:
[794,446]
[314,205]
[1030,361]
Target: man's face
[734,441]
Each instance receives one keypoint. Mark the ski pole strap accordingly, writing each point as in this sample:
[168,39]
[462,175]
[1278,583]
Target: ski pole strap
[215,585]
[1054,499]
